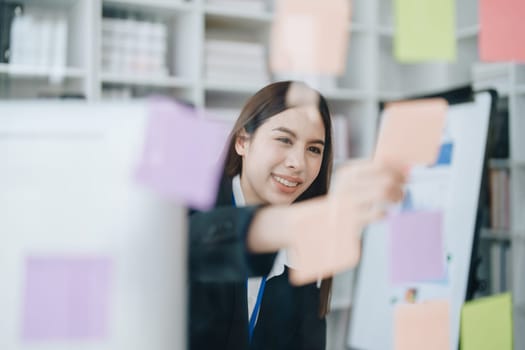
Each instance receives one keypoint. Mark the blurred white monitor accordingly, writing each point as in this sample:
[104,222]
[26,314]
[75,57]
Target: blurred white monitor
[89,258]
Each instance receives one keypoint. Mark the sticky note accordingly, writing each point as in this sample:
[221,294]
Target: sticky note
[486,323]
[502,30]
[425,30]
[183,153]
[313,255]
[416,247]
[445,154]
[422,326]
[66,298]
[411,131]
[310,37]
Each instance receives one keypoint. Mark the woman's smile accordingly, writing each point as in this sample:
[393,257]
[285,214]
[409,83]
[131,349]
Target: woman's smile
[287,184]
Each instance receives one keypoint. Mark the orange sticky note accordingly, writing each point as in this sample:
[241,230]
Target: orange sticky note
[310,37]
[411,131]
[323,247]
[502,30]
[422,326]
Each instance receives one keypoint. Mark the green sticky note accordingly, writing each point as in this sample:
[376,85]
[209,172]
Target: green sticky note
[486,323]
[424,30]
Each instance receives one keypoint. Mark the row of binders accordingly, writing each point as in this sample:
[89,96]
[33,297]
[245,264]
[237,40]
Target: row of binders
[36,39]
[235,62]
[499,182]
[244,5]
[134,46]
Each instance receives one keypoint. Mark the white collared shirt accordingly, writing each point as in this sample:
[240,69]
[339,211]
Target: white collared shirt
[279,263]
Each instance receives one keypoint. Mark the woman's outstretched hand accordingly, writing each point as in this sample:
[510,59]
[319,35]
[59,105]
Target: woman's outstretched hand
[367,188]
[327,240]
[322,236]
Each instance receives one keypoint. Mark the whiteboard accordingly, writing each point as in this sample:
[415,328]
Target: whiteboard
[67,190]
[455,189]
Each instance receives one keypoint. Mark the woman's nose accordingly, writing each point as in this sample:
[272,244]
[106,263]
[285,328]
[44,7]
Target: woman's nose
[295,159]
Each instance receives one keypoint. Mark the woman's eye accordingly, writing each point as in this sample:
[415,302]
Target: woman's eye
[285,140]
[315,150]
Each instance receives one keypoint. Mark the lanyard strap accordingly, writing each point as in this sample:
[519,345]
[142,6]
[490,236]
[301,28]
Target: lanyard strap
[255,312]
[253,317]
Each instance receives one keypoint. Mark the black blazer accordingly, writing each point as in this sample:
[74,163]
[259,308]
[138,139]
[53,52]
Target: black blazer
[218,267]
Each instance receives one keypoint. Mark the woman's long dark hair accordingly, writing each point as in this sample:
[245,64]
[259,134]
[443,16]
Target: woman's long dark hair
[266,103]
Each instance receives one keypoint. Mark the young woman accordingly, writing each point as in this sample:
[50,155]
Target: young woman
[279,153]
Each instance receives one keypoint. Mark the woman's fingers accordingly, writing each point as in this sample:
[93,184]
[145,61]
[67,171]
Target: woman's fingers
[368,188]
[366,175]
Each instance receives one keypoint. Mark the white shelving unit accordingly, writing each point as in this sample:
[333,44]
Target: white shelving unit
[372,75]
[190,23]
[508,80]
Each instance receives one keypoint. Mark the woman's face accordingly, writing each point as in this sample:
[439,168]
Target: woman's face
[282,158]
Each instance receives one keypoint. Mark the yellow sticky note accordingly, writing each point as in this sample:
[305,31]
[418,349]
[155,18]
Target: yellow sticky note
[411,131]
[422,326]
[486,323]
[310,37]
[425,30]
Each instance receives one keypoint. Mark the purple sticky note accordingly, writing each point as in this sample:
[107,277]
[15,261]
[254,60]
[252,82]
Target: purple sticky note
[183,153]
[66,298]
[416,247]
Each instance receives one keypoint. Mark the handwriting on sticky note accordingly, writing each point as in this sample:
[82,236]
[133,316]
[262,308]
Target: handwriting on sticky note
[66,298]
[411,131]
[502,30]
[486,323]
[310,37]
[422,326]
[416,247]
[183,153]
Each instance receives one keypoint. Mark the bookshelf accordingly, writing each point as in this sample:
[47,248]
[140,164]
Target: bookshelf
[190,24]
[372,75]
[507,79]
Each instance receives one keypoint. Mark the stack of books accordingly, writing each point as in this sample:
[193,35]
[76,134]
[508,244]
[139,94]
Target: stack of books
[236,62]
[341,139]
[39,40]
[227,115]
[117,93]
[501,266]
[499,181]
[492,76]
[241,5]
[132,46]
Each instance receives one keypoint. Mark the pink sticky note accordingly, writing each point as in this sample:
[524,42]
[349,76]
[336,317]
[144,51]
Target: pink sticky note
[422,326]
[502,30]
[66,298]
[416,247]
[183,153]
[310,37]
[411,131]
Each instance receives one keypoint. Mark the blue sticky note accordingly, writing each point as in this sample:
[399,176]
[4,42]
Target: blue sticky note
[445,154]
[407,203]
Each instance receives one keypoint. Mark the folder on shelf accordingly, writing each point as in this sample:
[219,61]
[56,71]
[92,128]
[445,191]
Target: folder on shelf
[8,10]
